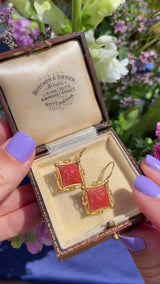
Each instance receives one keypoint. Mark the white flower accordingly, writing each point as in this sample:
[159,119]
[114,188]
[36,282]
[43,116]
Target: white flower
[90,37]
[106,39]
[104,55]
[112,70]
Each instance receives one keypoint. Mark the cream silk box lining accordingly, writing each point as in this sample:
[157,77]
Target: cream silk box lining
[50,93]
[66,210]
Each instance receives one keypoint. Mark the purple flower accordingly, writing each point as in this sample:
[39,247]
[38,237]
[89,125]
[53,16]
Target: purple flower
[153,53]
[40,237]
[121,27]
[35,33]
[23,33]
[5,11]
[157,150]
[158,130]
[128,102]
[141,24]
[34,246]
[5,15]
[43,234]
[132,62]
[148,57]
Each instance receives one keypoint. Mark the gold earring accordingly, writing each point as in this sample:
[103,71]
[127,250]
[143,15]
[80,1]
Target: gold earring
[69,174]
[97,197]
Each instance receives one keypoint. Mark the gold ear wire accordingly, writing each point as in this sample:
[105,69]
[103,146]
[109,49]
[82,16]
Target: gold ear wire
[80,154]
[103,171]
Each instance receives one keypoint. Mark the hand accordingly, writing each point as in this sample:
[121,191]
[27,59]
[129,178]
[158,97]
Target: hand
[144,242]
[19,211]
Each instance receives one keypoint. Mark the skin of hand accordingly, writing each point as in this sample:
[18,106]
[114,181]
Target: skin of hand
[19,211]
[143,242]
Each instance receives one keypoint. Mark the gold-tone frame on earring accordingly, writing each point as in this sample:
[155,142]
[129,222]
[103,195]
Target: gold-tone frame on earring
[59,179]
[85,199]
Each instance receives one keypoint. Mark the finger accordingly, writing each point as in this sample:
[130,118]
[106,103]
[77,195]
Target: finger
[17,199]
[149,171]
[19,221]
[143,244]
[5,131]
[147,192]
[16,160]
[150,206]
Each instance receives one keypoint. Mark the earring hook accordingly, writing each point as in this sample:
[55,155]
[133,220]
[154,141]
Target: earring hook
[80,154]
[103,171]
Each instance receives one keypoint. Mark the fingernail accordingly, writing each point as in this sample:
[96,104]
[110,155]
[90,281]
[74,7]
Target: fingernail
[21,146]
[153,162]
[146,186]
[132,243]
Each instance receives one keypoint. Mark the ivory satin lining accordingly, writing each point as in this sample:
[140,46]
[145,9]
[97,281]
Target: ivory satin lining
[50,93]
[65,209]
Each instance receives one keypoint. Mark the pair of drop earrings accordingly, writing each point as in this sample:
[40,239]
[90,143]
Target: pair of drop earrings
[96,197]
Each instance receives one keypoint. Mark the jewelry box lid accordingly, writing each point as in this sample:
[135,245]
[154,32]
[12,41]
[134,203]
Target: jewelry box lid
[50,90]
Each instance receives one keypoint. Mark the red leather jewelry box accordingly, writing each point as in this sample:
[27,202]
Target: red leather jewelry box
[49,90]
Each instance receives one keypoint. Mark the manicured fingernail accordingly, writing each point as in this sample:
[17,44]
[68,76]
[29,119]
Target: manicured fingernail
[153,162]
[21,146]
[147,186]
[132,243]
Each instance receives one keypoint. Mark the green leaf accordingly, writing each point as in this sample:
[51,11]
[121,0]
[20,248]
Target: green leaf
[50,14]
[95,11]
[122,52]
[65,30]
[31,236]
[153,4]
[25,7]
[85,22]
[147,122]
[125,122]
[85,18]
[16,242]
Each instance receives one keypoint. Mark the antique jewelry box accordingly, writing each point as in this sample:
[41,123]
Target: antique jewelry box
[50,91]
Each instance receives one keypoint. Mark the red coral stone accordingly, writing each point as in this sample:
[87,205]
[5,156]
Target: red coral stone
[70,174]
[98,197]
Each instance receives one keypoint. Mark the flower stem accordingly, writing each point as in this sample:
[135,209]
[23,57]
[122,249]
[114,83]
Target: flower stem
[148,44]
[76,15]
[41,26]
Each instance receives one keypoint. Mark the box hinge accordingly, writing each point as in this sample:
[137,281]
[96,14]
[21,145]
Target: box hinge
[111,224]
[41,151]
[102,127]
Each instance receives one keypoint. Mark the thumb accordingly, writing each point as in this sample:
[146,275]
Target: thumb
[146,192]
[16,159]
[143,244]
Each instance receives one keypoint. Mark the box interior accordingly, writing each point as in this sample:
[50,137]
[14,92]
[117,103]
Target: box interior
[50,93]
[65,209]
[51,97]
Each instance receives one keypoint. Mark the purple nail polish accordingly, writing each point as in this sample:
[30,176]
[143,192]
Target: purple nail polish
[153,162]
[146,186]
[21,146]
[132,243]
